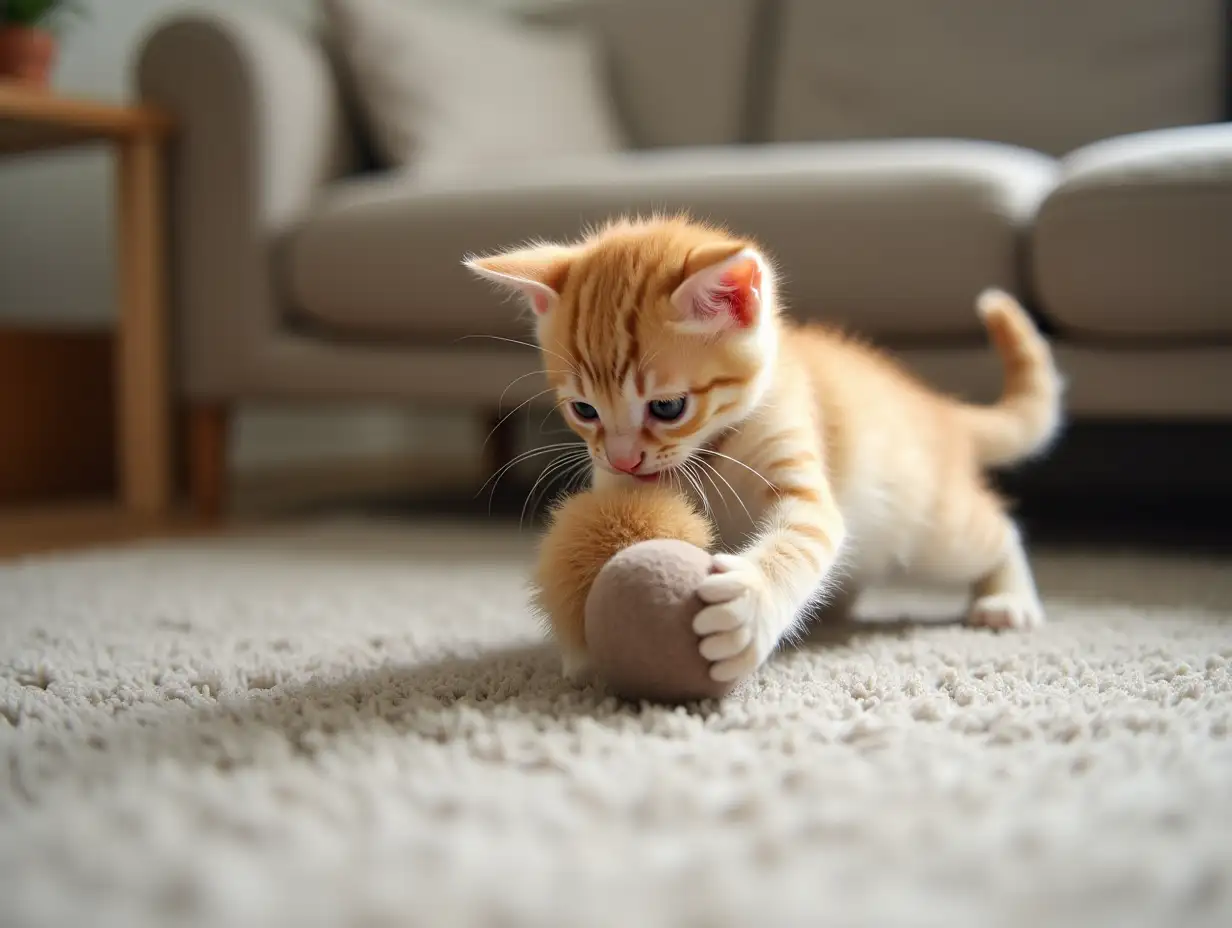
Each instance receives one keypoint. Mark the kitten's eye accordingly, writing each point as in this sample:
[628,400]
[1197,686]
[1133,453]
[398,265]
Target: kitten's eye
[668,410]
[584,410]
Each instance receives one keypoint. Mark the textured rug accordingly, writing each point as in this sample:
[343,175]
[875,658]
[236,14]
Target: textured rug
[355,724]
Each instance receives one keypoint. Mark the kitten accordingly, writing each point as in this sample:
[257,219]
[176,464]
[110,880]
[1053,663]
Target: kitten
[825,462]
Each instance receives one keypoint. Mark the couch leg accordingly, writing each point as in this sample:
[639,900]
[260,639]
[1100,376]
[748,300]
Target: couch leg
[501,442]
[209,427]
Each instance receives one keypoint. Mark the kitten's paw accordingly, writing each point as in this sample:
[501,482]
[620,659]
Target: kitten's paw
[730,578]
[575,666]
[1006,611]
[737,627]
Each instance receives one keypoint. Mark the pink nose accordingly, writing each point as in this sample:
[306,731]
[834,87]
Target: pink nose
[627,464]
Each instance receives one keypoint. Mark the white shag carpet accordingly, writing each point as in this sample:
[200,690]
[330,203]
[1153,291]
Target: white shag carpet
[356,725]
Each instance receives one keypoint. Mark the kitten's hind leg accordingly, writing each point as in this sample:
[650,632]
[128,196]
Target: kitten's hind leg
[1006,597]
[973,541]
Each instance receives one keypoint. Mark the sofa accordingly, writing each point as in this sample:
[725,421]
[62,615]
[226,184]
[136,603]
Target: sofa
[895,157]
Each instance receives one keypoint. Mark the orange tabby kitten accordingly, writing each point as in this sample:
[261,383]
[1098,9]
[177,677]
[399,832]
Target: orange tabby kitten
[826,462]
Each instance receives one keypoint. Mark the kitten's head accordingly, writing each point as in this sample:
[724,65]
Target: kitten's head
[657,335]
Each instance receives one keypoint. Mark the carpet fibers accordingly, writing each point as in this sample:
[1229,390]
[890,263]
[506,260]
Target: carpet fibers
[355,724]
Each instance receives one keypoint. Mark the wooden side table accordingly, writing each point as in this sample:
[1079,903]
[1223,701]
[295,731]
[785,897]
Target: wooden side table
[32,120]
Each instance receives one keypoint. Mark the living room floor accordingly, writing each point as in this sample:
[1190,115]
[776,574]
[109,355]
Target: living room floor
[347,716]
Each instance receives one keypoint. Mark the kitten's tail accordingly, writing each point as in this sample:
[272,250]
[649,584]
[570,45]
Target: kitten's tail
[1028,416]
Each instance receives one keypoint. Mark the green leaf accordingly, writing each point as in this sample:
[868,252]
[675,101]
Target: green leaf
[44,13]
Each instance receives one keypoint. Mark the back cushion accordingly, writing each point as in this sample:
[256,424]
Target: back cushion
[1048,74]
[678,69]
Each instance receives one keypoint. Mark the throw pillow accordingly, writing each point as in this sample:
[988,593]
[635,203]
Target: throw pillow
[444,91]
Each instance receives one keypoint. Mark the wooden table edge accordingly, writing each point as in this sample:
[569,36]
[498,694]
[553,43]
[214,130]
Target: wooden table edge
[106,120]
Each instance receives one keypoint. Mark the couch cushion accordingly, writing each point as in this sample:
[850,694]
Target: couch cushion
[679,69]
[1051,76]
[892,238]
[446,90]
[1137,238]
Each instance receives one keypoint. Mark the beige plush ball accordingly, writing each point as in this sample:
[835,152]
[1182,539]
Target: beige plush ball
[616,573]
[639,623]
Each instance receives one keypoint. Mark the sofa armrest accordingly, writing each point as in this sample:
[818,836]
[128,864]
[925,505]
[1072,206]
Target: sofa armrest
[261,127]
[1135,239]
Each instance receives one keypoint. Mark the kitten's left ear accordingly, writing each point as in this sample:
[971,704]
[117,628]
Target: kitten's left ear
[723,289]
[537,272]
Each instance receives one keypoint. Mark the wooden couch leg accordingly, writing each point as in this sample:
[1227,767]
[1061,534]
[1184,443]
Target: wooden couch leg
[502,442]
[209,426]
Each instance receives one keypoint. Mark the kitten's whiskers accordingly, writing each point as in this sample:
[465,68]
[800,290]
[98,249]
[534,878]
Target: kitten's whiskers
[515,341]
[501,402]
[703,472]
[714,470]
[557,465]
[753,471]
[525,456]
[513,412]
[687,470]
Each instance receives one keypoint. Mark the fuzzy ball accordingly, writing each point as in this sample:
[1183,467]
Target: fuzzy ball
[587,529]
[639,623]
[616,575]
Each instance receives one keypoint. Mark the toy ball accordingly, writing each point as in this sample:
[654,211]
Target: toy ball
[639,623]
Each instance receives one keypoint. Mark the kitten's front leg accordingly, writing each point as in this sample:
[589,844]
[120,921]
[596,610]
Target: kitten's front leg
[756,597]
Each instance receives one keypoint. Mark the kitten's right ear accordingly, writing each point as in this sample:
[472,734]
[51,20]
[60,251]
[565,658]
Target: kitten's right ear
[722,289]
[537,272]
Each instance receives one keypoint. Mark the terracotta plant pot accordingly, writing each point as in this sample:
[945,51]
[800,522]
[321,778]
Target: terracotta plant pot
[26,55]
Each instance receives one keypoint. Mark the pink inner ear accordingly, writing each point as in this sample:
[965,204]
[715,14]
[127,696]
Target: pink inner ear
[740,297]
[736,294]
[539,300]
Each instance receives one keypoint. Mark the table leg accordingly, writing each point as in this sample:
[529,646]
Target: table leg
[142,384]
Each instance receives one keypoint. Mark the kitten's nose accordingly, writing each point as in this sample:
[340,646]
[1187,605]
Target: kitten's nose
[627,463]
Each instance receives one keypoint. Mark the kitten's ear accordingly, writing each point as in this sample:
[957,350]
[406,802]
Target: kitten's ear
[536,272]
[723,288]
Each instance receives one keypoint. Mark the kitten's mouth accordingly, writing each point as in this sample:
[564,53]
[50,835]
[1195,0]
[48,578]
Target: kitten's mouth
[653,476]
[662,472]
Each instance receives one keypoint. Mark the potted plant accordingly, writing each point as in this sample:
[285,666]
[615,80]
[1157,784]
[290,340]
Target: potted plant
[28,41]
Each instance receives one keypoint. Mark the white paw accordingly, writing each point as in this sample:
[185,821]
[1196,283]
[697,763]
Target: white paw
[1006,610]
[737,628]
[575,666]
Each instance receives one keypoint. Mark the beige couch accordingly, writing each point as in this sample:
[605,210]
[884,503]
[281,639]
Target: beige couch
[896,157]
